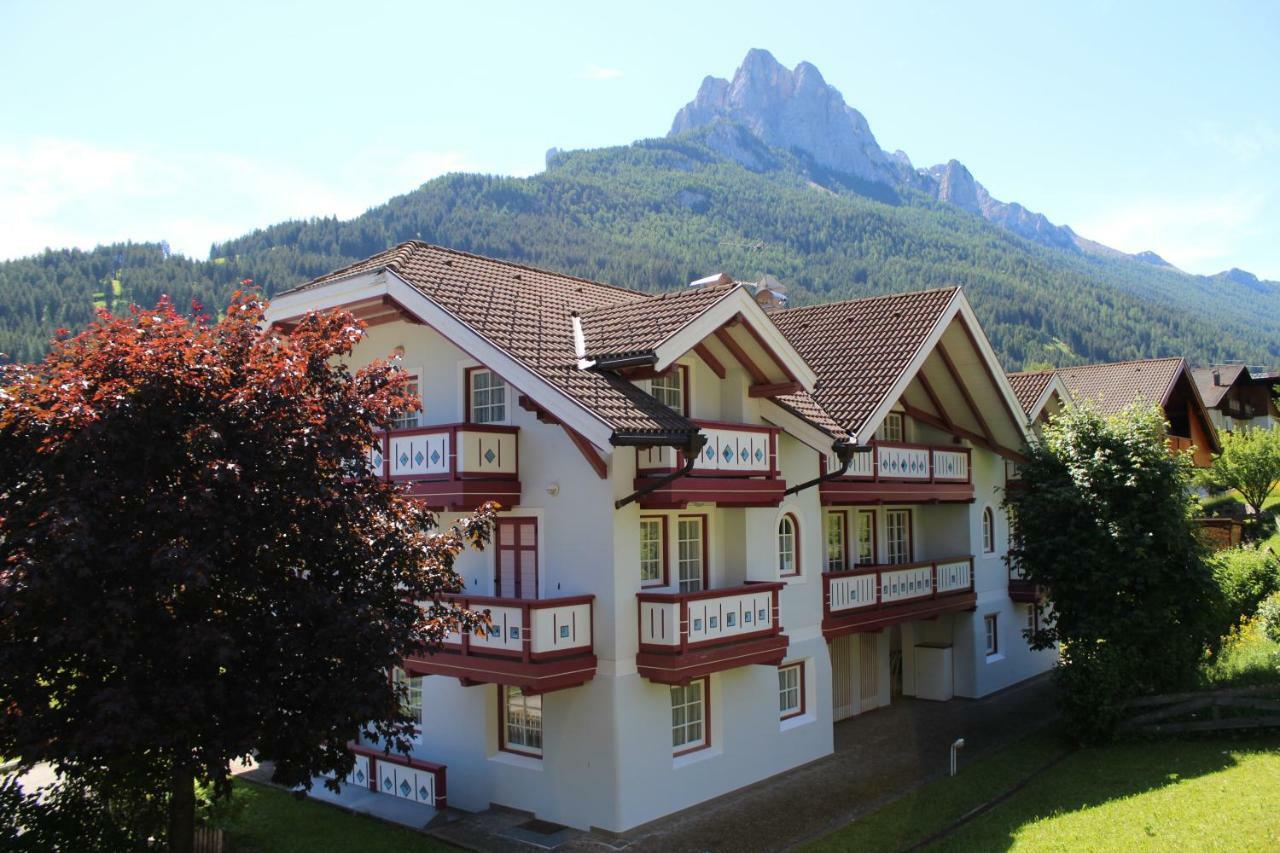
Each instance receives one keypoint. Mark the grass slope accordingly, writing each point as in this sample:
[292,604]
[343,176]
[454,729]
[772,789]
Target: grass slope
[1211,794]
[269,820]
[1205,794]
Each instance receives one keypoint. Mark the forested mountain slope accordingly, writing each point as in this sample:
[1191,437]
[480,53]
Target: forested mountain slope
[659,213]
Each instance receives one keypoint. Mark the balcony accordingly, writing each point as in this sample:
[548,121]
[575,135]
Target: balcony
[453,467]
[687,635]
[396,775]
[869,598]
[538,645]
[896,472]
[737,467]
[1021,589]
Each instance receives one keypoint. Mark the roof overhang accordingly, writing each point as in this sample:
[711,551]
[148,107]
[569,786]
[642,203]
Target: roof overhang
[737,306]
[1055,385]
[957,309]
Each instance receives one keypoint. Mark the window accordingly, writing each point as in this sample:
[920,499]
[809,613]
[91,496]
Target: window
[521,721]
[790,691]
[788,545]
[409,419]
[837,548]
[992,634]
[897,531]
[690,552]
[669,388]
[689,716]
[487,395]
[653,551]
[988,531]
[1033,619]
[411,705]
[866,537]
[893,428]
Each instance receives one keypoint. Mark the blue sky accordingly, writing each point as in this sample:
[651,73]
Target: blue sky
[1145,126]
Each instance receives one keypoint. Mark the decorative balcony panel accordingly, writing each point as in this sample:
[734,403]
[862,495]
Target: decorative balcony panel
[896,472]
[869,598]
[453,466]
[397,775]
[537,645]
[738,466]
[691,634]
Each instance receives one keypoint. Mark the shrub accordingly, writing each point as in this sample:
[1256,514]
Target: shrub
[1245,576]
[1269,617]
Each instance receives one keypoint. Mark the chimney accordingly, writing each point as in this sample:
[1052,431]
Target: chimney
[718,278]
[771,294]
[1217,376]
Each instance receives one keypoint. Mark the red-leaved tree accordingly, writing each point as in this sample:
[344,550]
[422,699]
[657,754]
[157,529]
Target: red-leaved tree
[195,566]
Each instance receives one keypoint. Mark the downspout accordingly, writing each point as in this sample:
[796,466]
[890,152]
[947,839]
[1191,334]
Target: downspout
[691,453]
[844,451]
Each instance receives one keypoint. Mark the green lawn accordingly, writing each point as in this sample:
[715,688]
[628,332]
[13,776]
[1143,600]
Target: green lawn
[1202,794]
[927,810]
[1211,794]
[269,820]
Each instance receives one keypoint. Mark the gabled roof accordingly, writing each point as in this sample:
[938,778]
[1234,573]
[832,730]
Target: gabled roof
[1028,385]
[860,348]
[1215,381]
[639,327]
[527,313]
[1114,386]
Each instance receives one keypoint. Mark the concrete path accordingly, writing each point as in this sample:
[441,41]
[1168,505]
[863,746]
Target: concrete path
[878,757]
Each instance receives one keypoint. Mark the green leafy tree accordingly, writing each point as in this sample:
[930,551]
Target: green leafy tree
[1249,463]
[193,565]
[1104,523]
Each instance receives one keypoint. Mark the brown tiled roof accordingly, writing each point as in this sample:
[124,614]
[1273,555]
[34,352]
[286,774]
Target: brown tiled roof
[1028,385]
[527,313]
[1213,392]
[802,404]
[860,348]
[639,326]
[1114,386]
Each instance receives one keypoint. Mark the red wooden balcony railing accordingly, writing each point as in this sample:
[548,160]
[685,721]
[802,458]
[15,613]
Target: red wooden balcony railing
[686,635]
[538,644]
[873,597]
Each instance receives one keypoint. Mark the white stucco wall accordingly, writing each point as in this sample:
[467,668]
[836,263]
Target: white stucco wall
[608,760]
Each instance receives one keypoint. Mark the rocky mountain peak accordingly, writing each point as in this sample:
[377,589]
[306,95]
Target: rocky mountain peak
[795,109]
[790,109]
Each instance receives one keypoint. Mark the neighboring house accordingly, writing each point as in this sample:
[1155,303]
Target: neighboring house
[723,529]
[1165,382]
[1237,398]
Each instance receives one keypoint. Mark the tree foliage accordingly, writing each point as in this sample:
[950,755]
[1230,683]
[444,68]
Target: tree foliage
[193,566]
[1104,527]
[1249,463]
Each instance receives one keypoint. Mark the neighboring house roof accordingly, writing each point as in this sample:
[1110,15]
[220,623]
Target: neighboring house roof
[1113,387]
[860,349]
[1215,381]
[527,313]
[1028,385]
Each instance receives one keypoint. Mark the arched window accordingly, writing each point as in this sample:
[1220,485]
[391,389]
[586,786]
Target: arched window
[988,531]
[788,545]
